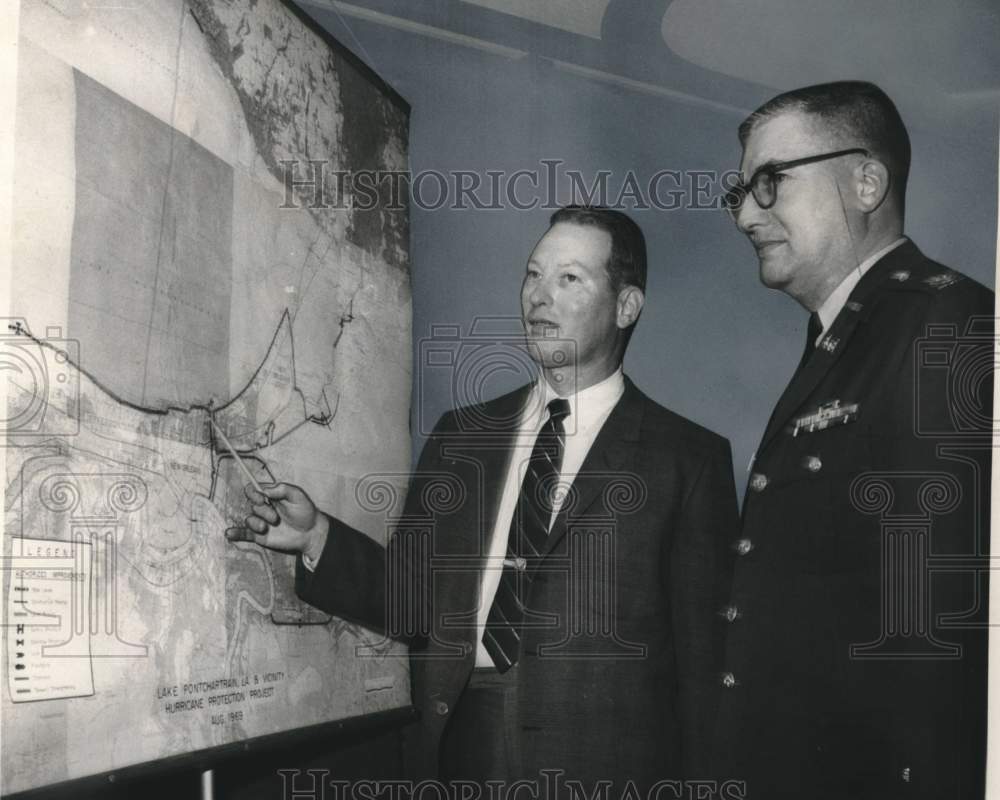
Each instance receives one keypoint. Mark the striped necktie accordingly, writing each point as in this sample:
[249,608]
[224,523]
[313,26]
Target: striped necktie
[528,531]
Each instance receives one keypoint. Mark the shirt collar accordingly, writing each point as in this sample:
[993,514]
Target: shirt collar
[835,302]
[587,406]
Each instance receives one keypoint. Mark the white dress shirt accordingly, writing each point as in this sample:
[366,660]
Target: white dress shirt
[835,302]
[589,409]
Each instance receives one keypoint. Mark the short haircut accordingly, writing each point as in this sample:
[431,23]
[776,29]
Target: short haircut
[858,113]
[627,263]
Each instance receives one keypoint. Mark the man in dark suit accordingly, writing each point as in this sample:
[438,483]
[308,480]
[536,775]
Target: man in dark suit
[560,562]
[856,653]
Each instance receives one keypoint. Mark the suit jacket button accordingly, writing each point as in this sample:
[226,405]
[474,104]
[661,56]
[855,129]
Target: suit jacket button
[731,613]
[441,707]
[813,463]
[744,546]
[758,482]
[728,680]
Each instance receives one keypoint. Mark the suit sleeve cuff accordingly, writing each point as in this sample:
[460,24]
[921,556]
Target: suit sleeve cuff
[309,563]
[306,567]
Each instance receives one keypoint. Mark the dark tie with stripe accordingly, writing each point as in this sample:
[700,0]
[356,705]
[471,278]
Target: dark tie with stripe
[528,531]
[814,329]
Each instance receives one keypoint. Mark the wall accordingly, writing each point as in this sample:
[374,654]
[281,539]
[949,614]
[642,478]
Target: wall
[713,344]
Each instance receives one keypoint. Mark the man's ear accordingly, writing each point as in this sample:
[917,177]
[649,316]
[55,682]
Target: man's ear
[630,301]
[873,182]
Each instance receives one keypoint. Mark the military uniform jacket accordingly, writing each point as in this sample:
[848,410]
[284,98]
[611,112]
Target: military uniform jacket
[855,662]
[617,679]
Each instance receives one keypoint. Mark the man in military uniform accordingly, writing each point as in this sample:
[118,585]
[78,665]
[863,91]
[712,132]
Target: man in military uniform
[856,650]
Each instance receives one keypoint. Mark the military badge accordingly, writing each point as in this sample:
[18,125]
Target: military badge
[943,279]
[900,275]
[854,306]
[826,416]
[829,343]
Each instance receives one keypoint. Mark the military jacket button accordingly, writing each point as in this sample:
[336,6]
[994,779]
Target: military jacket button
[441,707]
[744,546]
[813,463]
[758,482]
[728,680]
[731,613]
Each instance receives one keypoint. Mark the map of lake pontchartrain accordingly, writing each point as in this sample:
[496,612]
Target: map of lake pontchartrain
[163,277]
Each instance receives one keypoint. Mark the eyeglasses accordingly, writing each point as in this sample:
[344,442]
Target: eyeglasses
[764,187]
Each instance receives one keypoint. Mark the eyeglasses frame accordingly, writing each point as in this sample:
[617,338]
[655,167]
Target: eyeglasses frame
[746,188]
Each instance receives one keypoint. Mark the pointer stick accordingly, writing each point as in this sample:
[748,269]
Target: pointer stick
[239,461]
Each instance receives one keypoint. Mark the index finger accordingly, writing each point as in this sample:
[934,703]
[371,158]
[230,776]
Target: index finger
[272,491]
[244,534]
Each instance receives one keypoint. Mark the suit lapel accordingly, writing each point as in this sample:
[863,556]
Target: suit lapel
[492,447]
[826,354]
[612,452]
[835,341]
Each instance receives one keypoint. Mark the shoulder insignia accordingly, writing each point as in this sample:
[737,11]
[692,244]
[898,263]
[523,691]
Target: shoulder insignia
[943,280]
[900,275]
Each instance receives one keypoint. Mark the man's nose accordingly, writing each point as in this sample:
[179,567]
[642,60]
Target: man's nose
[540,293]
[749,215]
